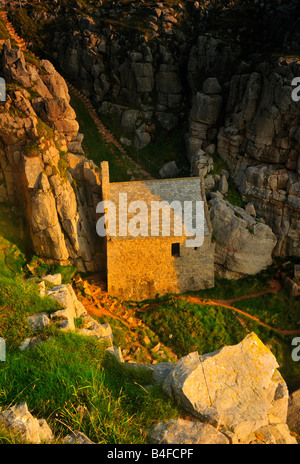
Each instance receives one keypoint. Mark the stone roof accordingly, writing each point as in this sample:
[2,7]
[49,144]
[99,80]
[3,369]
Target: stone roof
[169,190]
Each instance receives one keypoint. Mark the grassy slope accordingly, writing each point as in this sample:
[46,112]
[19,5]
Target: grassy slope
[18,298]
[68,379]
[188,327]
[72,382]
[208,328]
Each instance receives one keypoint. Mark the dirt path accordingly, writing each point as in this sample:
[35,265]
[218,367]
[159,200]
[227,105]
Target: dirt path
[202,301]
[135,341]
[275,287]
[135,348]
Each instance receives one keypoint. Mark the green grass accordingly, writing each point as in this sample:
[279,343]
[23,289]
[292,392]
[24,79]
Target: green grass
[8,437]
[68,379]
[38,268]
[19,299]
[225,289]
[206,328]
[74,384]
[11,259]
[187,327]
[278,310]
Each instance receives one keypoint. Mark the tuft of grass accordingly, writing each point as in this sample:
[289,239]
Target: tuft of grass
[9,437]
[63,166]
[39,268]
[18,300]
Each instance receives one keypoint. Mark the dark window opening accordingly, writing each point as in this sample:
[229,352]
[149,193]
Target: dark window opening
[176,250]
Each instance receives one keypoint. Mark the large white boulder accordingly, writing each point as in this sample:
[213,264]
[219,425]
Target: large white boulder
[237,389]
[243,245]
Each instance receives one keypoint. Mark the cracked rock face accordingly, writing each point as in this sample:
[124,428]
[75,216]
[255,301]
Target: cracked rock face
[232,95]
[260,143]
[182,431]
[243,245]
[237,389]
[58,191]
[19,420]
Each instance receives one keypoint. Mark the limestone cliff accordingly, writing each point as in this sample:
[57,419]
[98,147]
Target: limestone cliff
[253,123]
[260,142]
[225,71]
[158,66]
[56,190]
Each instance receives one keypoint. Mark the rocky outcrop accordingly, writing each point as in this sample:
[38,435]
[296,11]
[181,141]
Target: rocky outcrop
[22,424]
[49,99]
[244,245]
[258,140]
[71,310]
[255,129]
[237,389]
[211,57]
[204,115]
[293,418]
[77,438]
[159,371]
[236,99]
[292,286]
[26,429]
[260,143]
[140,81]
[186,433]
[58,190]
